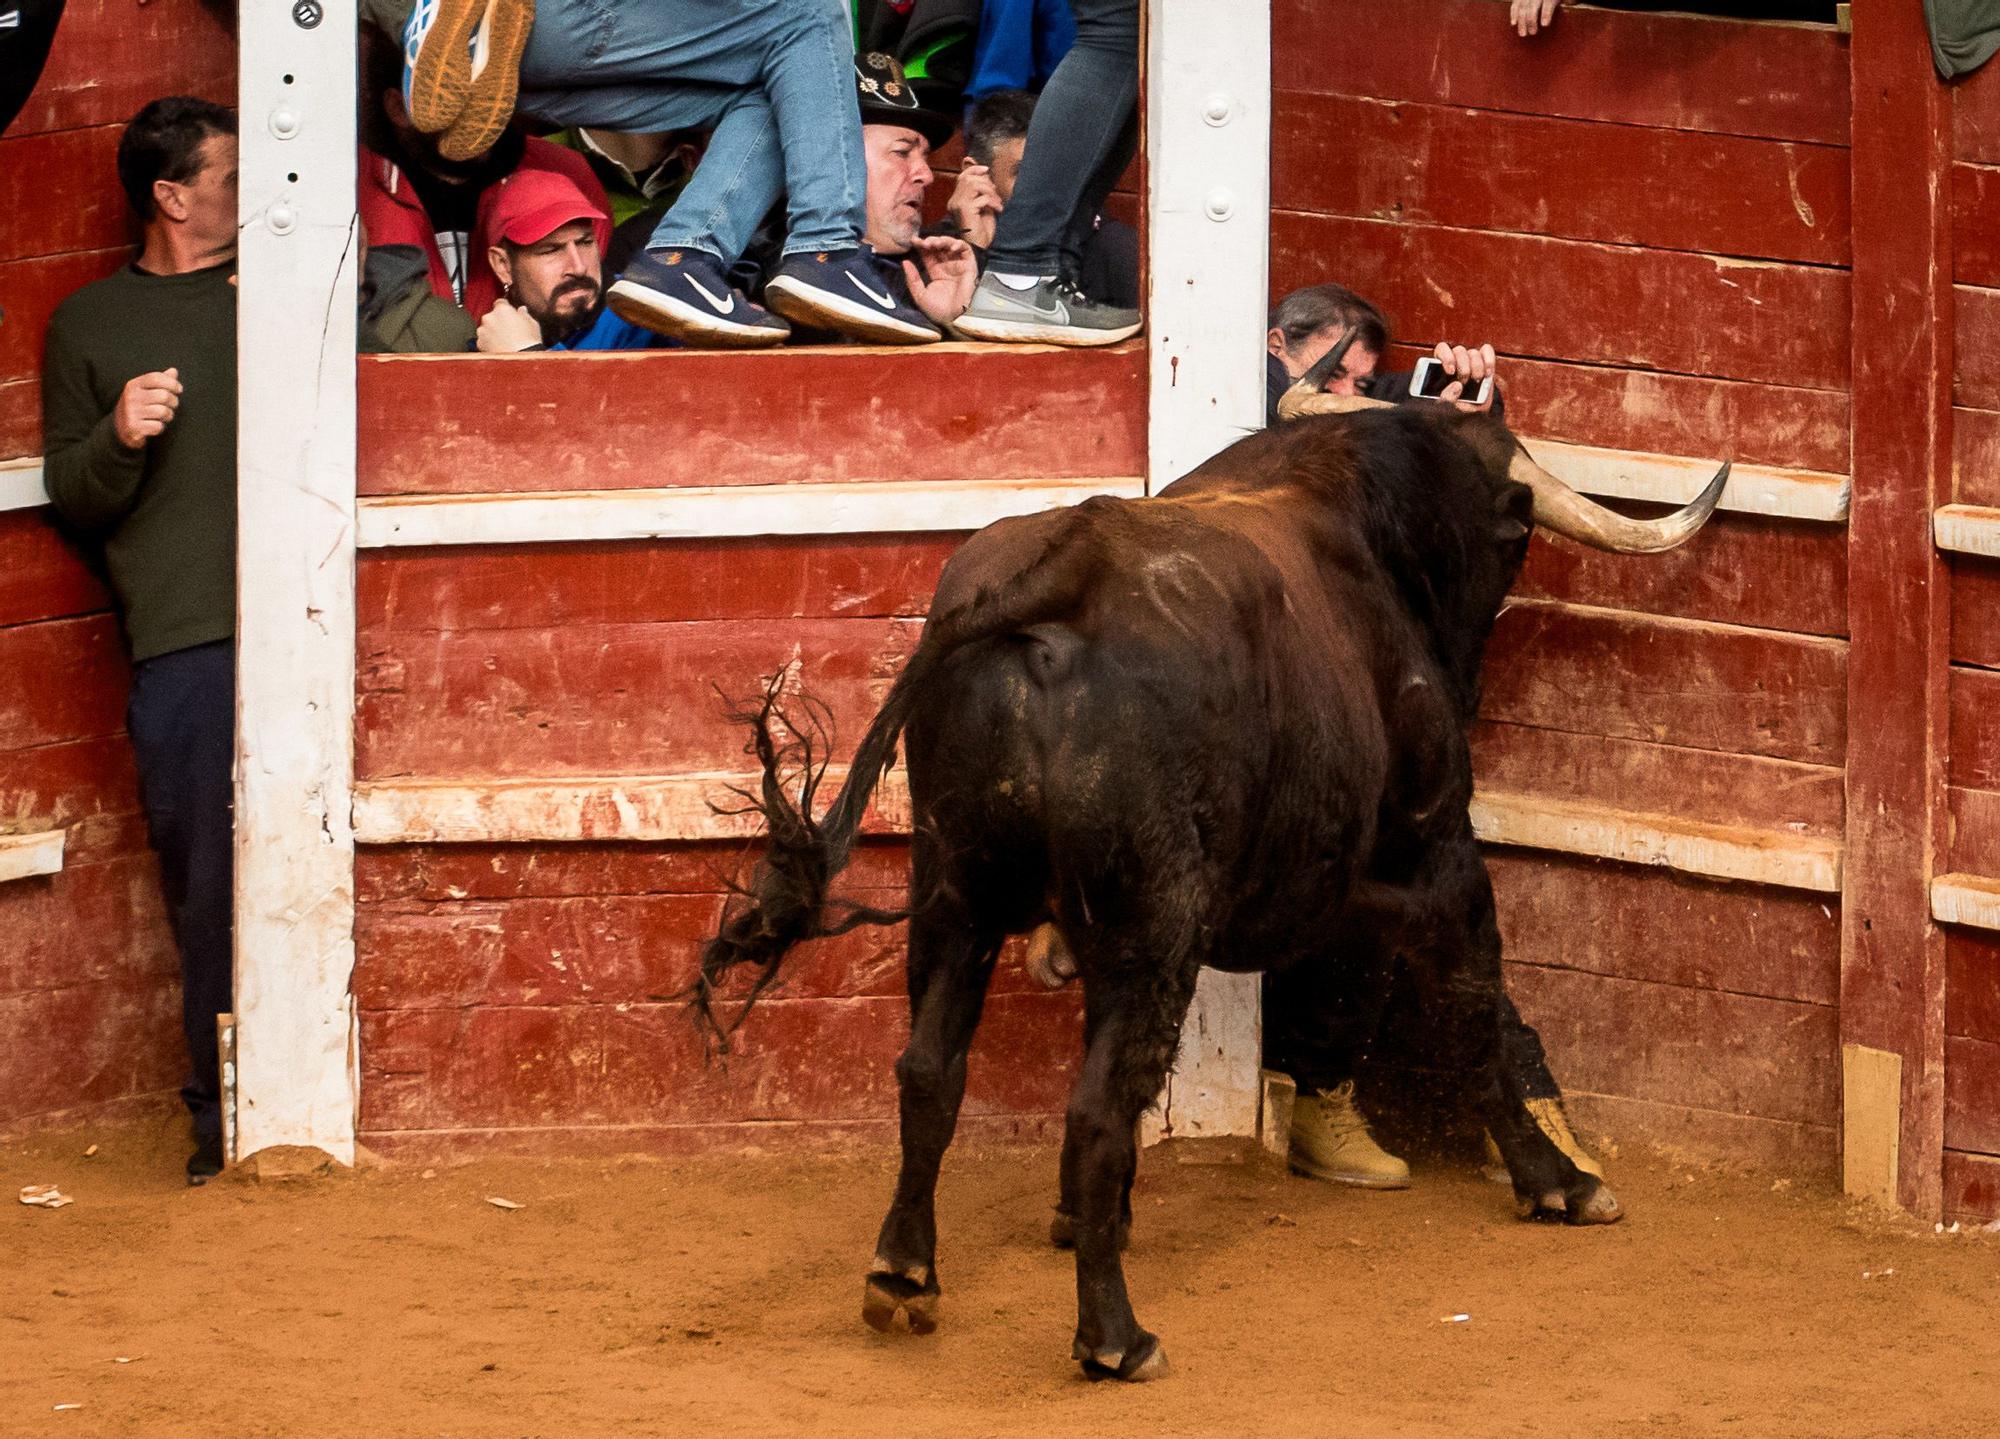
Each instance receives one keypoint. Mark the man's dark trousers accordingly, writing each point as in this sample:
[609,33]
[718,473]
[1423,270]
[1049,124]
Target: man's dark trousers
[182,719]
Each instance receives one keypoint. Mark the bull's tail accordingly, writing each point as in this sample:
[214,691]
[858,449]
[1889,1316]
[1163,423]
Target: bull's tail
[787,899]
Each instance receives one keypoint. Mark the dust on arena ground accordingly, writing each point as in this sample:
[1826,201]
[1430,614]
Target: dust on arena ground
[643,1297]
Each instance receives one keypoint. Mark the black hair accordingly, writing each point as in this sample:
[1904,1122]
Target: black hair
[163,142]
[996,119]
[1304,313]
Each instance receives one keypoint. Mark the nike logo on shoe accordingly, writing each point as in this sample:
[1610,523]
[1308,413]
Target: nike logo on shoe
[721,306]
[879,298]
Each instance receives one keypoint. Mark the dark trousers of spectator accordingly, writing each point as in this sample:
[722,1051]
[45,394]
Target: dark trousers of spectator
[1322,1023]
[1083,135]
[182,719]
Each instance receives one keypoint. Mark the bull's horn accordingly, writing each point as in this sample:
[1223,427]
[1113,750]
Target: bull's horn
[1562,509]
[1302,400]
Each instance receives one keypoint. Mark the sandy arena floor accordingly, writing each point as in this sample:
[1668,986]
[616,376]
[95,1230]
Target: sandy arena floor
[721,1296]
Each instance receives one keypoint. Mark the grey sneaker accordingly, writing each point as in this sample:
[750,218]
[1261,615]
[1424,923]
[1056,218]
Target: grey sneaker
[1054,312]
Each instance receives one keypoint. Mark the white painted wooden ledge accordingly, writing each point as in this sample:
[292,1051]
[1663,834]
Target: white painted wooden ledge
[1676,479]
[661,808]
[1970,899]
[26,855]
[21,484]
[1968,530]
[714,511]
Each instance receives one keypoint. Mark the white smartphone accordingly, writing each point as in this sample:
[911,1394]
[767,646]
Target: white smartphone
[1430,381]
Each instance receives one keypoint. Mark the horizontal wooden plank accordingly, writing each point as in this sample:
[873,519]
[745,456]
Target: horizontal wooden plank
[1579,301]
[1976,354]
[1677,72]
[1975,831]
[23,856]
[94,924]
[1972,1095]
[87,1044]
[587,698]
[68,181]
[21,421]
[704,511]
[1744,570]
[54,786]
[1975,102]
[1968,529]
[1975,611]
[21,486]
[42,576]
[1646,924]
[1975,453]
[1700,785]
[1698,1048]
[1681,682]
[643,1064]
[1971,1186]
[81,681]
[555,586]
[1675,479]
[1970,899]
[827,415]
[1809,1153]
[1533,174]
[1975,727]
[1720,851]
[1975,249]
[112,56]
[1972,985]
[33,289]
[1782,426]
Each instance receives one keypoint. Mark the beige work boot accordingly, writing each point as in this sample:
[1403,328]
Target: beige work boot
[1549,1115]
[1330,1140]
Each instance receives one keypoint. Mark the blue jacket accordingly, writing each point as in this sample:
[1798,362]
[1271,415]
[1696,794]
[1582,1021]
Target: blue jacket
[1019,43]
[608,332]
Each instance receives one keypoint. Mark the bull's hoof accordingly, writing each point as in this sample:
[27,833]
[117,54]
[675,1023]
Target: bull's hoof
[1596,1206]
[1601,1207]
[1548,1207]
[1146,1359]
[1062,1232]
[911,1292]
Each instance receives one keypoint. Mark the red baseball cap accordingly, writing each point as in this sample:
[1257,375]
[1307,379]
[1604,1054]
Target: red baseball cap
[530,205]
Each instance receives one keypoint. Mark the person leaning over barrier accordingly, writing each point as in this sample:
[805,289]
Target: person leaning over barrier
[546,257]
[139,427]
[1307,323]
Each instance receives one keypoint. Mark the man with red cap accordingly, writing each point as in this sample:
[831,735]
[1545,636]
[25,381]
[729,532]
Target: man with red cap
[547,254]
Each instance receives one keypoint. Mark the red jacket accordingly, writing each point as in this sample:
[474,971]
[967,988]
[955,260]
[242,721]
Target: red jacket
[395,216]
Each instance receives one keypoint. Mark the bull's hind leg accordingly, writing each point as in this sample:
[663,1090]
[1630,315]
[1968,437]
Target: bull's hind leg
[1134,1020]
[950,963]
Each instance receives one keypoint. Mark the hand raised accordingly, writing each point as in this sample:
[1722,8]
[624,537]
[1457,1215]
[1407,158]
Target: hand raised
[146,406]
[507,328]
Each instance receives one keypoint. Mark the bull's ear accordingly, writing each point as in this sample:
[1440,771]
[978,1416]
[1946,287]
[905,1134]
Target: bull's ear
[1510,531]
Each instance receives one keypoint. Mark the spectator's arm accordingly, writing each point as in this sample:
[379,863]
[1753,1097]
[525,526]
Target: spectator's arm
[942,285]
[1529,16]
[92,474]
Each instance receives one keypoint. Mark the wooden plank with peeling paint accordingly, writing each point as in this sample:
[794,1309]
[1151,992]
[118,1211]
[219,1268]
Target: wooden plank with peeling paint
[23,856]
[1970,899]
[1968,529]
[21,486]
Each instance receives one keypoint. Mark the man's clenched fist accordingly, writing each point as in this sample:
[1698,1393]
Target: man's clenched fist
[146,407]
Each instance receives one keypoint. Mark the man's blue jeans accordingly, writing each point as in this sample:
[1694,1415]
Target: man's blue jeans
[775,78]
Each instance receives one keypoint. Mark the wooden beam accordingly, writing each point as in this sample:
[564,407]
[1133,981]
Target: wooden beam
[1970,899]
[295,582]
[25,855]
[21,486]
[1208,208]
[1676,479]
[1967,529]
[711,512]
[1892,952]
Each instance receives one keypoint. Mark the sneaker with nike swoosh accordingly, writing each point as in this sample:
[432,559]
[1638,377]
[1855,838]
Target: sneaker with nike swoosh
[847,291]
[686,295]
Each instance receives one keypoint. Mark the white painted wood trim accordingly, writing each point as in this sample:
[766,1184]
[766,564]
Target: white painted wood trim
[23,856]
[296,1080]
[21,485]
[1208,216]
[1970,899]
[1967,530]
[1676,479]
[1762,856]
[712,511]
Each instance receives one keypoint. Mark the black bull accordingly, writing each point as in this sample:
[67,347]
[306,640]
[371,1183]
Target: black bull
[1224,726]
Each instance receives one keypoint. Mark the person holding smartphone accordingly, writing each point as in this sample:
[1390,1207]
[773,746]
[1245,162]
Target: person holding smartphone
[1307,323]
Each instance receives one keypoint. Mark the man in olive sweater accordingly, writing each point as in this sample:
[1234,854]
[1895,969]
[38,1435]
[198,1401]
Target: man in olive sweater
[139,428]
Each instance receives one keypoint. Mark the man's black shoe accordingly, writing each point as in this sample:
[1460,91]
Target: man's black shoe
[685,295]
[846,291]
[206,1161]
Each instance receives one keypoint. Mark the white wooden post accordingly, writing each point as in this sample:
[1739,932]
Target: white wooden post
[295,578]
[1208,128]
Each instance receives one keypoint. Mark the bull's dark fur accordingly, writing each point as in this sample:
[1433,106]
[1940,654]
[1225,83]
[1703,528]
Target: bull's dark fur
[1224,726]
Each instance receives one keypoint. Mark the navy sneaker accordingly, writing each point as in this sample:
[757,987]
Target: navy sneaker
[685,295]
[846,291]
